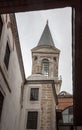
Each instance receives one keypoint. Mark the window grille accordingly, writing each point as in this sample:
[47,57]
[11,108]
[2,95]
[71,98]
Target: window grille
[34,94]
[32,120]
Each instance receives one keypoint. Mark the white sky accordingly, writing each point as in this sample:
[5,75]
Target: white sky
[30,28]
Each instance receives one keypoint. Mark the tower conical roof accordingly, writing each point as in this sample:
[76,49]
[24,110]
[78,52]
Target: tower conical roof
[46,38]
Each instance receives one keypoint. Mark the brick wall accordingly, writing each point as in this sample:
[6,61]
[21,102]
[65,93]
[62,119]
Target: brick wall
[64,102]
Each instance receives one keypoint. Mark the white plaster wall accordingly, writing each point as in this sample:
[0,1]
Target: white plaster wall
[30,105]
[11,108]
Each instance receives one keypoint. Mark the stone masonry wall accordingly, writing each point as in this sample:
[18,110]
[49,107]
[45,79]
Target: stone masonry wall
[53,58]
[46,107]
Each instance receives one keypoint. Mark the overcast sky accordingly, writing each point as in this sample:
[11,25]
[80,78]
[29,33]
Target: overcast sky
[30,28]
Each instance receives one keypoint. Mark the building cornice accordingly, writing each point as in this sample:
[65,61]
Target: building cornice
[39,81]
[46,47]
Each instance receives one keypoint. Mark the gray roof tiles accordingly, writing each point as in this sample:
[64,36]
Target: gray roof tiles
[46,38]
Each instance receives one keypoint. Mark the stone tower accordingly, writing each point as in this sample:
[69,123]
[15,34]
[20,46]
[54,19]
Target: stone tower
[41,88]
[45,58]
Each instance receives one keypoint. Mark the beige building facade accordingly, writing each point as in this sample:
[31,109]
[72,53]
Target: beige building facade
[41,88]
[11,74]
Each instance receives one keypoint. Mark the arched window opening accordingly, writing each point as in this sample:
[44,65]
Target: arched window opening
[45,67]
[67,115]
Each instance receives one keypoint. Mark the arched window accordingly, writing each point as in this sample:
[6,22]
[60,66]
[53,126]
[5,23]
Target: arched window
[68,115]
[45,67]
